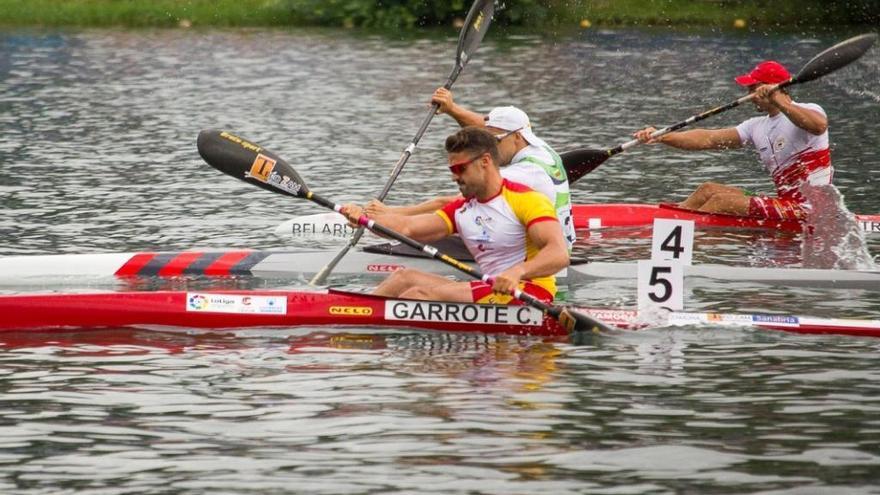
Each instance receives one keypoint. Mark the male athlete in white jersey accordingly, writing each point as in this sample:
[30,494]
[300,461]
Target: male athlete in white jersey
[511,231]
[791,140]
[524,158]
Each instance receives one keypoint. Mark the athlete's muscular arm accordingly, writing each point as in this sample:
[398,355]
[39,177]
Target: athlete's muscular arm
[376,207]
[552,257]
[427,227]
[695,139]
[809,120]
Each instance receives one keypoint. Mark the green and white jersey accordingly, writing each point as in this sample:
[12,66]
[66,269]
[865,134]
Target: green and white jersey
[540,168]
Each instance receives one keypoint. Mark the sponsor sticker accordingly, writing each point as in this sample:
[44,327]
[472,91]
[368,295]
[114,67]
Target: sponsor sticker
[614,315]
[351,310]
[715,318]
[243,143]
[384,268]
[485,314]
[206,302]
[775,319]
[262,167]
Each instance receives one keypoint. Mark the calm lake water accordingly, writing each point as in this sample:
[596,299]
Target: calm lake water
[98,155]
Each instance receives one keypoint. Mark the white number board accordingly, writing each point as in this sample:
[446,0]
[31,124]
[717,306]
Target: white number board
[661,284]
[661,279]
[673,240]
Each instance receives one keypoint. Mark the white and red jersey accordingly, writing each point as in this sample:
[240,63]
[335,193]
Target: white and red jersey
[790,154]
[495,230]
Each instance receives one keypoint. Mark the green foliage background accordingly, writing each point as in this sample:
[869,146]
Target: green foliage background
[411,13]
[395,14]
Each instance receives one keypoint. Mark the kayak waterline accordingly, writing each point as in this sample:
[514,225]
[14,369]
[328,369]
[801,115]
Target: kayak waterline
[65,269]
[218,310]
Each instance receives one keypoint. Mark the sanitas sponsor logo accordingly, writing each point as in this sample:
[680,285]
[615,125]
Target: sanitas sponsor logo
[351,310]
[775,319]
[488,314]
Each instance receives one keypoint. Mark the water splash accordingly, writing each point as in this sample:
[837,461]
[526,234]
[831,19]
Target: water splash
[832,237]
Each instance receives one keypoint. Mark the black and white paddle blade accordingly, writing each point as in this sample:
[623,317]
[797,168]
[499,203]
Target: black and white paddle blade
[578,322]
[475,26]
[580,162]
[839,55]
[250,162]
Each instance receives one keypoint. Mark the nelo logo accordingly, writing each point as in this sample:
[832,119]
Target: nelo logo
[378,267]
[351,310]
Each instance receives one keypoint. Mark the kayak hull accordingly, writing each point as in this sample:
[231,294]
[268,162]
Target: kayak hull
[271,309]
[247,309]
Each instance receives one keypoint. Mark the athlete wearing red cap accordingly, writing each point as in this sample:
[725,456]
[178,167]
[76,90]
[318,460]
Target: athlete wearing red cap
[791,141]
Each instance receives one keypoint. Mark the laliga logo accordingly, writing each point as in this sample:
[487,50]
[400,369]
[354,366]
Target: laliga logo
[197,301]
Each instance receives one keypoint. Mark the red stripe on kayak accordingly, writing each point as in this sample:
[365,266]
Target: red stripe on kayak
[134,265]
[225,263]
[178,264]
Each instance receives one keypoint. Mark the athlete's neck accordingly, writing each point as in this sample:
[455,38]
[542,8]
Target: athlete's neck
[492,188]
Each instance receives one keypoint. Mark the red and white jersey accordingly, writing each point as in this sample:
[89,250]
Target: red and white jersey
[494,231]
[790,154]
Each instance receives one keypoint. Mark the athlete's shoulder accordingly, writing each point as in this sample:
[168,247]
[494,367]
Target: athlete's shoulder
[516,187]
[811,106]
[531,152]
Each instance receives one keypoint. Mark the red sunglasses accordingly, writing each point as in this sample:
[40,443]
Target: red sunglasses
[458,168]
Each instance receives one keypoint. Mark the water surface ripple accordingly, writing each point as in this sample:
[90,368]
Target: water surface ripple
[98,155]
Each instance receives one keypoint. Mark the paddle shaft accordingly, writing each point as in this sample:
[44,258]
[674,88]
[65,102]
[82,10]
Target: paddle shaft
[557,312]
[696,118]
[321,276]
[477,22]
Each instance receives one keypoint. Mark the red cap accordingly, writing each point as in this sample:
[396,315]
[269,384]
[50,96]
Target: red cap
[767,72]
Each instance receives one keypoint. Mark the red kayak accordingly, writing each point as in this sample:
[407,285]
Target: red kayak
[595,216]
[260,308]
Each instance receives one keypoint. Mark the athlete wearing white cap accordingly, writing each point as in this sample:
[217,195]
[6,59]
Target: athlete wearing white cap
[525,159]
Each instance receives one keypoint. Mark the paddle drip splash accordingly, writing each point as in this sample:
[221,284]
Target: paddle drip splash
[832,237]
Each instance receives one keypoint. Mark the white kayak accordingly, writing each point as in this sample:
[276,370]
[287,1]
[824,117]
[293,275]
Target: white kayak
[110,267]
[332,224]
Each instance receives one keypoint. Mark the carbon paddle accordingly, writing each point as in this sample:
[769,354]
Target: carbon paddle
[583,161]
[253,164]
[475,26]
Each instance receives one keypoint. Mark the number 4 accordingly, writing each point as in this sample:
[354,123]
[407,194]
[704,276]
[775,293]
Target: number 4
[672,243]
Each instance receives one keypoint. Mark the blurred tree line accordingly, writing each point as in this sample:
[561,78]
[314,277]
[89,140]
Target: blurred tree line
[417,13]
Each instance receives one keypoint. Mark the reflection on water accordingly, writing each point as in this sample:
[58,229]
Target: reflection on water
[98,154]
[434,413]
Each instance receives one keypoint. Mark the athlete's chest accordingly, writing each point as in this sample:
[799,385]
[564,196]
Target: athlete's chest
[490,224]
[778,139]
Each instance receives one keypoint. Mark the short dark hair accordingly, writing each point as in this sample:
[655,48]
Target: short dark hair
[475,140]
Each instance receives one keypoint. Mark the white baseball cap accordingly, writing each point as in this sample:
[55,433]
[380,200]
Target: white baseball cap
[513,119]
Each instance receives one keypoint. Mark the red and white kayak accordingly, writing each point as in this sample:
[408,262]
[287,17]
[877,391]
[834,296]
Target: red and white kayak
[246,309]
[597,216]
[591,217]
